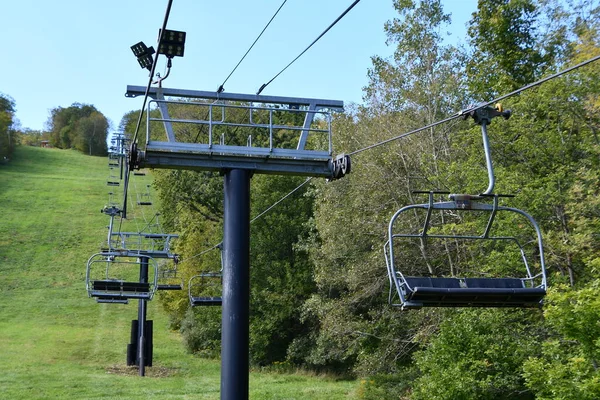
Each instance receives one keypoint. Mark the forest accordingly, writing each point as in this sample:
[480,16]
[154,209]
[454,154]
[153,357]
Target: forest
[319,286]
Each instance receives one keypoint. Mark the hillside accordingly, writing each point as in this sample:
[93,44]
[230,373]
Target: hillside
[55,342]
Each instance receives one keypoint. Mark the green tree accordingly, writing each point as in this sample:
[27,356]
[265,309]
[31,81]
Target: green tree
[567,367]
[478,354]
[353,328]
[8,139]
[91,134]
[31,137]
[80,126]
[506,54]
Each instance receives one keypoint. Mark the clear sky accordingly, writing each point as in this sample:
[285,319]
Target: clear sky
[56,53]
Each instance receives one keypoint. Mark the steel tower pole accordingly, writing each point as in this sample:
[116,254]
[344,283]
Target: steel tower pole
[236,286]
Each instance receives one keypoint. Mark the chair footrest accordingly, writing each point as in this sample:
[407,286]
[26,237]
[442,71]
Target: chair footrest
[206,301]
[477,297]
[122,295]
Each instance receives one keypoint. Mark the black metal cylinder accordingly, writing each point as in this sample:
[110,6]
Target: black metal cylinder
[236,287]
[141,349]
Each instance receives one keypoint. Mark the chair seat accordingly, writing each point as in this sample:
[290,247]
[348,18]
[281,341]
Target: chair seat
[169,287]
[121,286]
[471,292]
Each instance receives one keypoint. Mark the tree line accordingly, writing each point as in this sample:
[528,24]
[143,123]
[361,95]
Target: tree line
[319,285]
[80,126]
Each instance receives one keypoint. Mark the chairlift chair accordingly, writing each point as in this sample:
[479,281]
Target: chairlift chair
[205,289]
[144,199]
[114,277]
[444,222]
[209,286]
[167,275]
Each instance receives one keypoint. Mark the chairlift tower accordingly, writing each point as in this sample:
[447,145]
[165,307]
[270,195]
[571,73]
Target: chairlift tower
[130,251]
[238,135]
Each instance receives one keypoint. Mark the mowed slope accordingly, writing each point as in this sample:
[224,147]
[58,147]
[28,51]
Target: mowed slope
[55,342]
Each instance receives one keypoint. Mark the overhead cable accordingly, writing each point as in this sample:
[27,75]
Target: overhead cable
[255,218]
[222,87]
[139,121]
[203,252]
[458,115]
[478,106]
[310,45]
[162,32]
[281,199]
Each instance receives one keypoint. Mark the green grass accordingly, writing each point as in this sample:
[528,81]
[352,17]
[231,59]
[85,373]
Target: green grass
[55,342]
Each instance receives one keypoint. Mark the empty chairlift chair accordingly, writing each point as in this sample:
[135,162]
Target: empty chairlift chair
[115,278]
[144,199]
[167,275]
[474,252]
[205,289]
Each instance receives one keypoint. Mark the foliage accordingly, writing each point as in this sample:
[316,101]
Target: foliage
[477,355]
[31,137]
[506,54]
[567,367]
[354,330]
[547,153]
[8,135]
[81,127]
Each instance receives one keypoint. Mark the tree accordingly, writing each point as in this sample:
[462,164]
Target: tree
[31,137]
[567,367]
[91,134]
[7,133]
[353,328]
[540,152]
[477,354]
[81,127]
[506,54]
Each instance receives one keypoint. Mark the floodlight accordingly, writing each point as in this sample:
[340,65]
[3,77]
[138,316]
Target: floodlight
[143,54]
[172,43]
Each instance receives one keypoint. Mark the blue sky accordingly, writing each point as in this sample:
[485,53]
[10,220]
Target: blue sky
[56,53]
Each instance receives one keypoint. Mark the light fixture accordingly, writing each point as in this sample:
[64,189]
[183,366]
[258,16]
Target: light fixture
[143,54]
[172,43]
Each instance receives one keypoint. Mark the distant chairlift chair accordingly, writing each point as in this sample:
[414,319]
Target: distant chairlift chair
[114,278]
[413,292]
[205,288]
[210,284]
[167,275]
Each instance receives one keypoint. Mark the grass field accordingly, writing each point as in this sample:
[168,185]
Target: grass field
[55,342]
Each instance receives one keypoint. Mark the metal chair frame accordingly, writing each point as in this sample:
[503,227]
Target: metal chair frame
[417,292]
[111,288]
